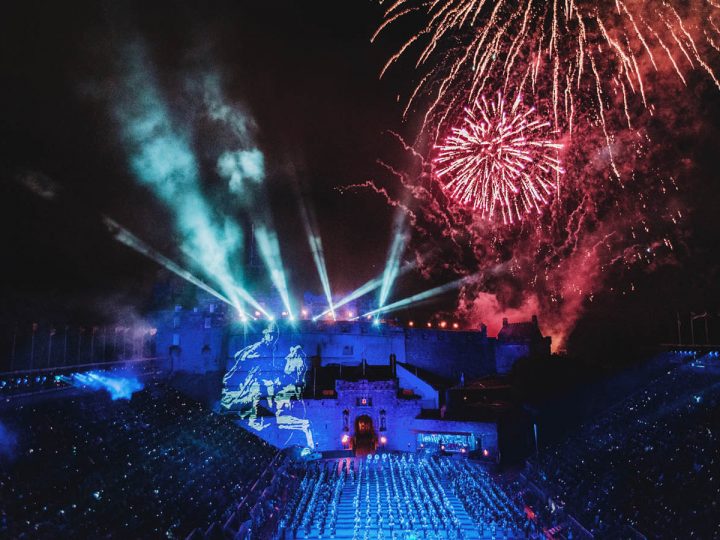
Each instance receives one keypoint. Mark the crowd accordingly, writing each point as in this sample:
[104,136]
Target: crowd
[158,465]
[487,502]
[650,465]
[398,496]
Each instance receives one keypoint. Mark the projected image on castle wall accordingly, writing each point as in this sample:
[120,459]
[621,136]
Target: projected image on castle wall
[265,388]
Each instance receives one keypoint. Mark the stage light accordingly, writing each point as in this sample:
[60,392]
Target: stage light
[383,440]
[161,157]
[345,439]
[364,289]
[411,324]
[284,313]
[392,264]
[486,453]
[421,297]
[429,325]
[244,295]
[456,326]
[257,314]
[349,314]
[309,219]
[269,247]
[443,324]
[124,236]
[304,312]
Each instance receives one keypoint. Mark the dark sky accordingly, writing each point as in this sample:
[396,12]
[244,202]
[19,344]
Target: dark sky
[308,74]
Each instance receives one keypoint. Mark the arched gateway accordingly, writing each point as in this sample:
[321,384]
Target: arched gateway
[364,437]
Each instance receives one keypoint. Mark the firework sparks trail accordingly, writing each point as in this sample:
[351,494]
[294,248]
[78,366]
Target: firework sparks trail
[501,160]
[581,56]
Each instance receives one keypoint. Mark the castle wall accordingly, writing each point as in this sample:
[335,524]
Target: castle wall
[429,396]
[450,354]
[192,340]
[335,343]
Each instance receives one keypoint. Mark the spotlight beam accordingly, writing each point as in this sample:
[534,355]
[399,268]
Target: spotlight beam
[122,235]
[269,247]
[161,157]
[420,297]
[316,247]
[236,289]
[244,170]
[392,265]
[364,289]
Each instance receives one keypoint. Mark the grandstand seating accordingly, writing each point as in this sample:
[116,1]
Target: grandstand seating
[649,465]
[159,465]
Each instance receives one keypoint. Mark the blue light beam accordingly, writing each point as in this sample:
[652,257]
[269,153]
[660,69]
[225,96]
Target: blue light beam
[161,158]
[364,289]
[392,265]
[316,247]
[124,236]
[420,297]
[244,170]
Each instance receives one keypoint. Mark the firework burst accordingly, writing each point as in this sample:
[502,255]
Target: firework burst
[581,56]
[500,161]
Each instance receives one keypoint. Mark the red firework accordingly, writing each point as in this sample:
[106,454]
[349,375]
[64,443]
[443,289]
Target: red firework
[500,161]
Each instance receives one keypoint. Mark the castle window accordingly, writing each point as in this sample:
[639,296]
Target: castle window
[348,350]
[364,402]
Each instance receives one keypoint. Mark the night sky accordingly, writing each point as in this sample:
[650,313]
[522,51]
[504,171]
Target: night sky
[307,74]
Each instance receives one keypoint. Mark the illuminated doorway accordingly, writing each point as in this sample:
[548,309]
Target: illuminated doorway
[365,439]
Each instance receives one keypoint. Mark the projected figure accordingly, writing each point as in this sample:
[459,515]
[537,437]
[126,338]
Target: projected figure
[262,382]
[291,387]
[246,397]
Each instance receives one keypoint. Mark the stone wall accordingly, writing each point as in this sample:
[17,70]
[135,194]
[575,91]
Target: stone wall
[450,354]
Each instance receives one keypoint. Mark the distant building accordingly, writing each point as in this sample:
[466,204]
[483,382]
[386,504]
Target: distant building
[353,384]
[519,340]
